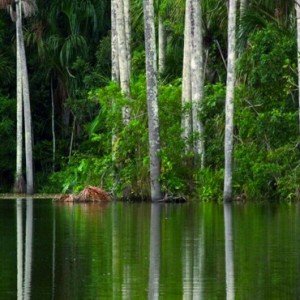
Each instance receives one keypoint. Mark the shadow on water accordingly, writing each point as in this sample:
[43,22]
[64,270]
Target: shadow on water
[24,260]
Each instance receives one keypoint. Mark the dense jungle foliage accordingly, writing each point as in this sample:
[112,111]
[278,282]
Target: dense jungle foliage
[69,54]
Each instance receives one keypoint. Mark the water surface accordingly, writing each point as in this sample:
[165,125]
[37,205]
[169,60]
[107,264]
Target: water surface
[144,251]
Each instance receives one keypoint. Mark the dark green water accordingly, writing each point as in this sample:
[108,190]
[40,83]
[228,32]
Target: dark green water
[144,251]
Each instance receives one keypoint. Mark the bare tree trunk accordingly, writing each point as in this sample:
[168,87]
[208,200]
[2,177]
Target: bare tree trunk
[197,78]
[152,101]
[161,46]
[27,114]
[229,109]
[186,122]
[115,77]
[123,57]
[127,20]
[19,186]
[53,127]
[115,72]
[297,7]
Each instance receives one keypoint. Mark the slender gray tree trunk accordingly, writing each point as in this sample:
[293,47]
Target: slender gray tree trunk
[127,20]
[297,7]
[161,46]
[152,101]
[27,114]
[19,180]
[186,122]
[123,57]
[197,78]
[115,72]
[229,108]
[53,126]
[115,77]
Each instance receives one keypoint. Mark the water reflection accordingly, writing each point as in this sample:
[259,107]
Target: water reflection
[155,236]
[192,260]
[140,251]
[19,248]
[24,270]
[229,261]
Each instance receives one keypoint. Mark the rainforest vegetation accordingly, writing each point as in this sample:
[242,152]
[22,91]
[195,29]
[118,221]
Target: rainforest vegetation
[91,73]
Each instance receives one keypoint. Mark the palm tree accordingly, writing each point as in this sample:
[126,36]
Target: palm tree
[152,101]
[229,108]
[123,47]
[26,8]
[297,8]
[197,78]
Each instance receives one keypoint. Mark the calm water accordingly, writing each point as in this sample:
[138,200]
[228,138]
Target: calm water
[144,251]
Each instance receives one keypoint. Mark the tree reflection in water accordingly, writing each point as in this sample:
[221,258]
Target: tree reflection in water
[229,262]
[155,236]
[24,270]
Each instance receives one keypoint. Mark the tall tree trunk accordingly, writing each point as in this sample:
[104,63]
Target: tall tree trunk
[27,112]
[123,57]
[297,7]
[53,126]
[115,77]
[127,20]
[186,122]
[161,46]
[152,101]
[229,109]
[19,186]
[115,72]
[197,78]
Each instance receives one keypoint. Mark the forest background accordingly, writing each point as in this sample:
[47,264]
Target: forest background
[80,138]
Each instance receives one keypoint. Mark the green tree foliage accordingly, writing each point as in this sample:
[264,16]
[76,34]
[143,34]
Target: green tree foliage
[68,42]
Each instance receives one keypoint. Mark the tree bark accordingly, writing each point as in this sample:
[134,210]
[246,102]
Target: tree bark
[297,7]
[127,20]
[53,126]
[197,78]
[152,101]
[186,122]
[27,114]
[115,73]
[19,180]
[123,57]
[229,107]
[161,46]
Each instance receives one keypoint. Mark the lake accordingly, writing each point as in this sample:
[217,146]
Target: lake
[146,251]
